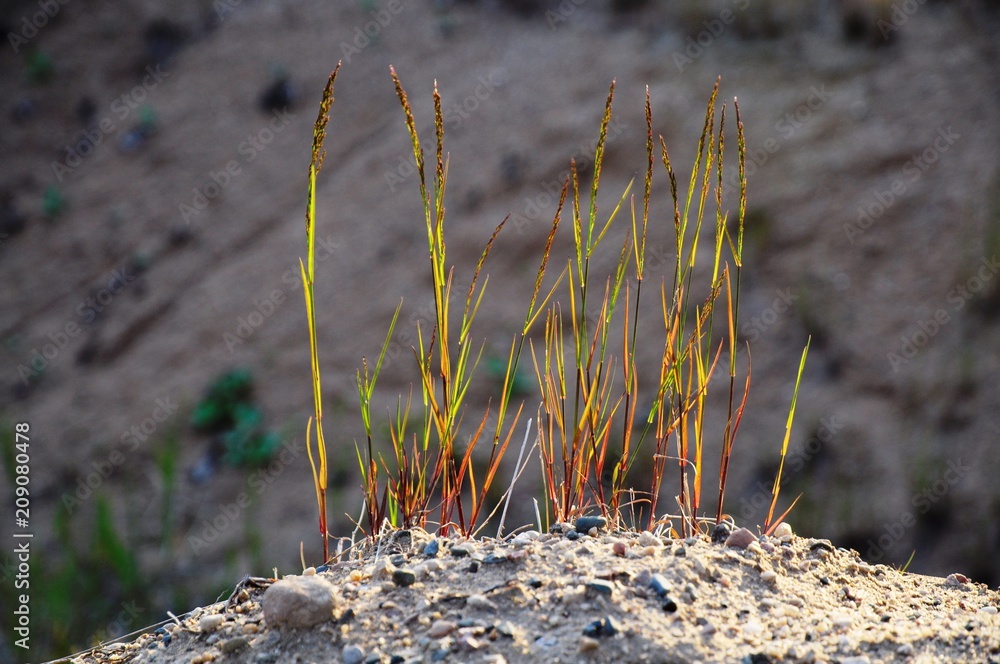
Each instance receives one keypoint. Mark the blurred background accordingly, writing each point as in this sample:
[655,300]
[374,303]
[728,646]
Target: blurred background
[153,162]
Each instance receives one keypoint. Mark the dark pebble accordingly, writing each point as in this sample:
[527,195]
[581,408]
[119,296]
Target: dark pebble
[278,96]
[440,654]
[720,533]
[397,659]
[473,567]
[601,587]
[234,645]
[404,577]
[322,568]
[601,628]
[585,523]
[398,560]
[669,605]
[535,583]
[493,559]
[757,658]
[659,584]
[824,545]
[432,547]
[573,535]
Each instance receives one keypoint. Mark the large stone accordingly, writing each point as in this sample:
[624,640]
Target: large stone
[299,602]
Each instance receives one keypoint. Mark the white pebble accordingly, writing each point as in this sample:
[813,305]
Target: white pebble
[212,622]
[768,576]
[783,530]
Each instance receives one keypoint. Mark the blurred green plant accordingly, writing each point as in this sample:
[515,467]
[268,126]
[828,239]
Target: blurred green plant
[228,409]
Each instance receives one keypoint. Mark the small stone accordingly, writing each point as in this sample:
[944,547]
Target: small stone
[441,628]
[210,623]
[494,558]
[431,548]
[525,538]
[588,644]
[990,609]
[601,587]
[740,538]
[720,533]
[602,628]
[584,524]
[309,571]
[234,645]
[619,548]
[753,629]
[382,569]
[647,538]
[479,602]
[495,658]
[956,580]
[462,550]
[783,531]
[669,605]
[860,659]
[352,655]
[299,602]
[404,577]
[768,576]
[468,642]
[505,629]
[905,650]
[659,584]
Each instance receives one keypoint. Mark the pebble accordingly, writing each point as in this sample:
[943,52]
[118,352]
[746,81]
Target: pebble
[768,576]
[647,538]
[352,655]
[659,584]
[720,533]
[463,550]
[956,580]
[479,602]
[783,531]
[601,587]
[601,628]
[404,577]
[990,609]
[441,628]
[669,605]
[432,548]
[495,658]
[588,644]
[584,524]
[210,623]
[299,602]
[525,538]
[861,659]
[234,645]
[740,538]
[619,548]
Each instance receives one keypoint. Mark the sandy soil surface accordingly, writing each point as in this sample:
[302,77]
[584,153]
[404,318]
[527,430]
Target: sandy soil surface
[597,598]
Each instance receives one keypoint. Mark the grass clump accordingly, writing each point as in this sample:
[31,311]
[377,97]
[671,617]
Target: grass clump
[588,394]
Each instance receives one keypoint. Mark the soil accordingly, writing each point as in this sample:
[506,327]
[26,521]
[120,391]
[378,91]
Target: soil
[872,226]
[594,599]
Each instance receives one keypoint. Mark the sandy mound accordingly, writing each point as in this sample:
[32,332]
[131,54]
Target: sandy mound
[620,597]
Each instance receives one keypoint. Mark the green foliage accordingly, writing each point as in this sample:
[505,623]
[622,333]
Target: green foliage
[53,202]
[228,409]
